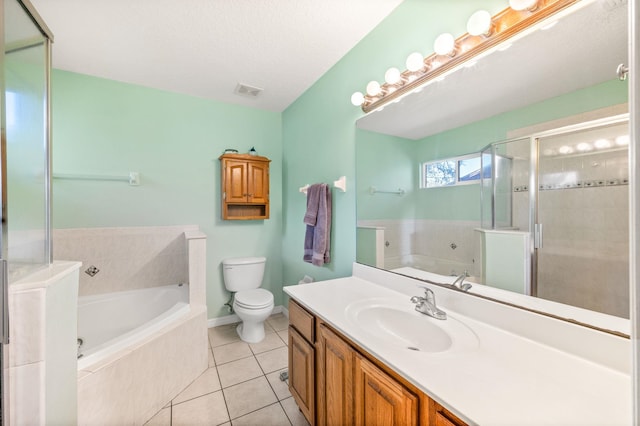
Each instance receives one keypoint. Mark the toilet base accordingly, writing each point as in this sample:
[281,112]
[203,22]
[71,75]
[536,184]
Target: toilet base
[251,332]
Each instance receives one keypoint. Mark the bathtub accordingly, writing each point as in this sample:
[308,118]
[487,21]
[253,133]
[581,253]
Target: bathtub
[109,323]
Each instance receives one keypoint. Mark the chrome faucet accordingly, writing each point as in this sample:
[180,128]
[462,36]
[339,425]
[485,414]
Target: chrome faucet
[427,305]
[459,283]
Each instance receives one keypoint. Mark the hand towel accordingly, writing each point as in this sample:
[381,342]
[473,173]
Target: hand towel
[318,220]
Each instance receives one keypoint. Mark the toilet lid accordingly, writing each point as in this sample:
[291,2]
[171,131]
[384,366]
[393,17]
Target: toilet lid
[254,299]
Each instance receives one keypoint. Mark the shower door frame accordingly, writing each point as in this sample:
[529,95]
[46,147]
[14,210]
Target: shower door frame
[48,252]
[535,227]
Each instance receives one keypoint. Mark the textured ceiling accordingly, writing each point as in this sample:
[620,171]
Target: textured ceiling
[205,48]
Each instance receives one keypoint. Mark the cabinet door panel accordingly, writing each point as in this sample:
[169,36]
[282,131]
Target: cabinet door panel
[335,379]
[302,374]
[258,178]
[236,181]
[381,400]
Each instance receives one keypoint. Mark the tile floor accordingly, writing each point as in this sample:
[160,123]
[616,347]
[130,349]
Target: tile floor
[242,385]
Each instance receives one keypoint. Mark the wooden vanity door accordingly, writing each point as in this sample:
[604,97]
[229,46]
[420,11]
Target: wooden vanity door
[301,374]
[334,379]
[379,399]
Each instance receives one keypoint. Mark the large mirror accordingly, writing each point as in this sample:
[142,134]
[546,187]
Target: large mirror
[541,127]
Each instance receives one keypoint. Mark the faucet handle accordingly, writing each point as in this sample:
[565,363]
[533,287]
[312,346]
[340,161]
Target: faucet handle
[429,295]
[416,299]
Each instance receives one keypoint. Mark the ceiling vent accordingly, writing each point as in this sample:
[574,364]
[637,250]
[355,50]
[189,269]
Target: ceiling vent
[247,91]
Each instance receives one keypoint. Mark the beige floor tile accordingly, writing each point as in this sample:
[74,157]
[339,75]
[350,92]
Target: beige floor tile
[223,334]
[279,322]
[235,372]
[162,418]
[206,410]
[270,341]
[208,382]
[273,360]
[293,412]
[231,352]
[273,415]
[284,335]
[248,396]
[281,388]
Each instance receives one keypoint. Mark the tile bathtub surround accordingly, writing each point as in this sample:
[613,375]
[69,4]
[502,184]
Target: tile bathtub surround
[127,258]
[242,385]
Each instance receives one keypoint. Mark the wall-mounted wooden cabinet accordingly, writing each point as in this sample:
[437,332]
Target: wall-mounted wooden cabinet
[245,186]
[350,386]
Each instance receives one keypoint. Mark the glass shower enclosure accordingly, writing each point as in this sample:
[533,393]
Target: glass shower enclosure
[25,234]
[568,190]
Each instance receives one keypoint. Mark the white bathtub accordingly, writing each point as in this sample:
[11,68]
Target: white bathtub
[109,323]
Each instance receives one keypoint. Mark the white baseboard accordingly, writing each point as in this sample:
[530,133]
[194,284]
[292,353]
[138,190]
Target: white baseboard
[233,318]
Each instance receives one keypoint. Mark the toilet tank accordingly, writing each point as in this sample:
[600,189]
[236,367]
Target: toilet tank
[243,273]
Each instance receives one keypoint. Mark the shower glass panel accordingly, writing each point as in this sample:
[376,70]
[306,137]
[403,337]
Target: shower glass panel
[25,65]
[505,185]
[583,205]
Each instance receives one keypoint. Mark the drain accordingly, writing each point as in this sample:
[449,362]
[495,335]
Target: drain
[411,348]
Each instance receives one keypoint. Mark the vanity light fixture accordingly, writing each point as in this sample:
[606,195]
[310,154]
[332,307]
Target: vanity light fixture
[392,76]
[485,34]
[357,99]
[602,144]
[565,149]
[622,140]
[373,88]
[445,45]
[584,147]
[479,24]
[415,62]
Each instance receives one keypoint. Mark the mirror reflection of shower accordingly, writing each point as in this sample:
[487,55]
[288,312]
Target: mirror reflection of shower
[567,191]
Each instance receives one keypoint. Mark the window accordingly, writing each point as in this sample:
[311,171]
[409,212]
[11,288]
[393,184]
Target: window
[451,171]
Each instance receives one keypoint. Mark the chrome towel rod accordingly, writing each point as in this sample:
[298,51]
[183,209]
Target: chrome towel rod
[133,177]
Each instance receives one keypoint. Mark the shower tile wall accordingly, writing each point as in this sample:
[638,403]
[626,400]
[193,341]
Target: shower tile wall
[583,206]
[127,258]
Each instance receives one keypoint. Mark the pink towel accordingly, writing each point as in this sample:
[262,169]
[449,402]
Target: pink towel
[318,220]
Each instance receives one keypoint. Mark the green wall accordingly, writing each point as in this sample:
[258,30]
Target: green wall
[173,141]
[319,135]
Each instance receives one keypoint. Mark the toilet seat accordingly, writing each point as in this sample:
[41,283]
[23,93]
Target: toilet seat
[258,298]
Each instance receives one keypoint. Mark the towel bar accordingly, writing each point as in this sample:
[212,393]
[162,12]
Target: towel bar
[340,184]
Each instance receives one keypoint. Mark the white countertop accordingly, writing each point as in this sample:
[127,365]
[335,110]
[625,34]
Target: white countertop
[504,379]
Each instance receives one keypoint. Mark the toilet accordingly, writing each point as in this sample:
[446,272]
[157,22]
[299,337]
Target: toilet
[252,304]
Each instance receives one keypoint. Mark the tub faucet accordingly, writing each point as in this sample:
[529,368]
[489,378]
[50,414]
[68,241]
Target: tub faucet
[459,283]
[427,305]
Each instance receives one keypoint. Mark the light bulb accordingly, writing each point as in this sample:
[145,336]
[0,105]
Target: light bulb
[583,147]
[565,149]
[523,4]
[357,99]
[479,23]
[445,44]
[415,62]
[373,88]
[622,140]
[602,143]
[392,76]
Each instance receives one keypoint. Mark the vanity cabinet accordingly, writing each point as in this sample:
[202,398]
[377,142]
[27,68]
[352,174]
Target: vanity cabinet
[379,399]
[302,366]
[245,186]
[347,385]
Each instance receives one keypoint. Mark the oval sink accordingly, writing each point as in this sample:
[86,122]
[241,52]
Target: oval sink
[402,328]
[398,324]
